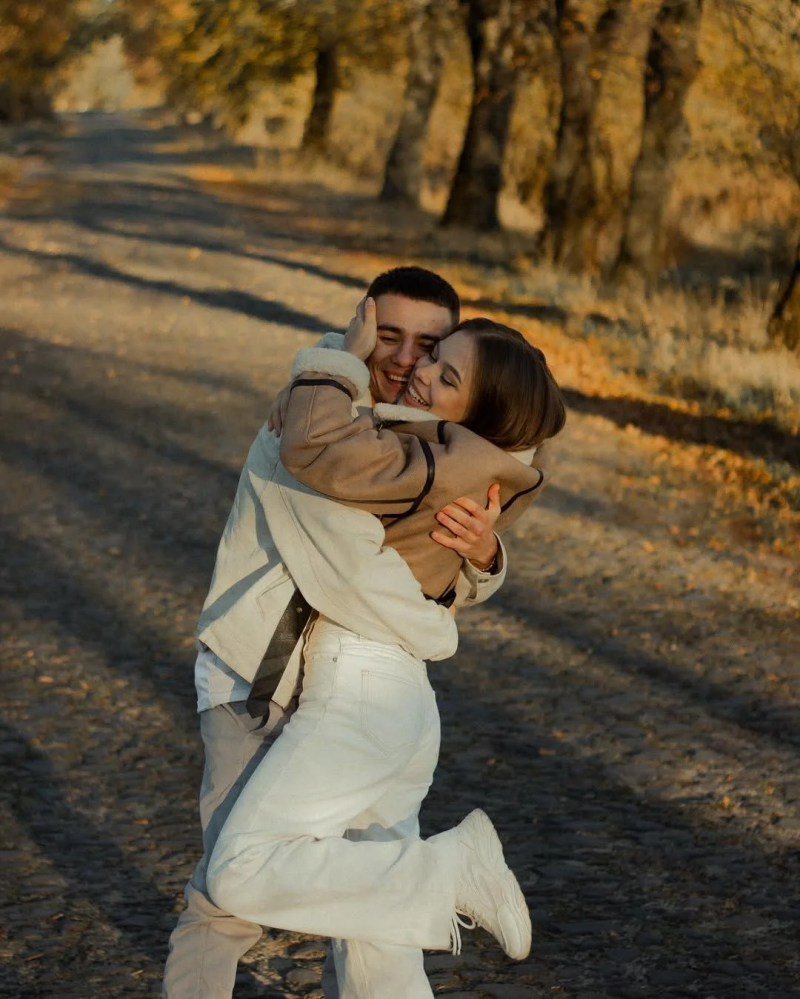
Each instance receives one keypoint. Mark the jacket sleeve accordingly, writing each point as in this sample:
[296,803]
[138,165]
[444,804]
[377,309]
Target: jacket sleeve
[336,557]
[473,586]
[348,459]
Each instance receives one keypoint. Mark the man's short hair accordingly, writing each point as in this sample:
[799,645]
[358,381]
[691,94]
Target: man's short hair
[418,284]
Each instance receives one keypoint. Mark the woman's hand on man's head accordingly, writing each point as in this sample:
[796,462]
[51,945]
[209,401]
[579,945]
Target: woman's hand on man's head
[362,333]
[471,527]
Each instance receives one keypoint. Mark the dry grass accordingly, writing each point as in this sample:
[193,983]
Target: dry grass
[690,345]
[9,173]
[718,353]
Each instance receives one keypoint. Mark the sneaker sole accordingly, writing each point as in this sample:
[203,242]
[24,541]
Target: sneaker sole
[513,916]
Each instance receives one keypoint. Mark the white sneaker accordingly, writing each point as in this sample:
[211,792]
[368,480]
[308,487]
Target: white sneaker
[487,890]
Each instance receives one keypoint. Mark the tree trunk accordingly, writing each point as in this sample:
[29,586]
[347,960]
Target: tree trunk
[403,177]
[19,105]
[478,180]
[672,66]
[571,199]
[784,323]
[315,134]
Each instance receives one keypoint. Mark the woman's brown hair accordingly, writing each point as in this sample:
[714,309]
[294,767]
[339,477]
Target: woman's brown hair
[515,401]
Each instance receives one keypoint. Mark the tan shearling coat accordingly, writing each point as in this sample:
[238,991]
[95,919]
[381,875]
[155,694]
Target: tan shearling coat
[398,463]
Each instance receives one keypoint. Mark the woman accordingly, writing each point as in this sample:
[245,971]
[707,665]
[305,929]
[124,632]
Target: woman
[358,755]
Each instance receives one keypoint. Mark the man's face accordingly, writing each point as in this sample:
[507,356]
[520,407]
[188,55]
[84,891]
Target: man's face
[407,330]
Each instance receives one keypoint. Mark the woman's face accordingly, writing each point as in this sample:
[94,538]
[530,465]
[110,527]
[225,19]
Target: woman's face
[442,382]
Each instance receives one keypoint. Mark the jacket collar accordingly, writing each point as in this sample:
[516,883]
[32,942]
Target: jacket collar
[389,412]
[526,456]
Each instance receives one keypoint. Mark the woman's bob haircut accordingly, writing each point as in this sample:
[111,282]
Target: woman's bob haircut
[515,402]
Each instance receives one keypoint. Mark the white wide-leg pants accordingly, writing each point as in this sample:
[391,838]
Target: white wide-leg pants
[358,755]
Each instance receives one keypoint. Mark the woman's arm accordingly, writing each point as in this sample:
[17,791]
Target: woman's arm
[348,459]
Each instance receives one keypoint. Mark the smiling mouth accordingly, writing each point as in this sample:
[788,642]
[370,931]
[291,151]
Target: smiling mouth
[416,398]
[399,380]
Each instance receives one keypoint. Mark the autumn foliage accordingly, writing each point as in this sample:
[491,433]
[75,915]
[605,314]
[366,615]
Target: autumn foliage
[603,208]
[36,37]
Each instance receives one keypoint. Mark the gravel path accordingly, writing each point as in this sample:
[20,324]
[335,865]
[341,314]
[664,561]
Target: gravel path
[626,710]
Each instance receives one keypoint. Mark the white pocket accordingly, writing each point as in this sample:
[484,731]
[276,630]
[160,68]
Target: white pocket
[392,709]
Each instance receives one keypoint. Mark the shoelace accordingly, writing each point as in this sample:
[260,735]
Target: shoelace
[461,919]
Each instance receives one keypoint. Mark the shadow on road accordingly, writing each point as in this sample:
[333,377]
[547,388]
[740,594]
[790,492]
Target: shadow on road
[228,299]
[753,440]
[114,500]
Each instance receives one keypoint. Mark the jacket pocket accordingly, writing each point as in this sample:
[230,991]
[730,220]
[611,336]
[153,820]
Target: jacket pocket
[392,710]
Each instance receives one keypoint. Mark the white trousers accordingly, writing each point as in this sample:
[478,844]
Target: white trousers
[356,758]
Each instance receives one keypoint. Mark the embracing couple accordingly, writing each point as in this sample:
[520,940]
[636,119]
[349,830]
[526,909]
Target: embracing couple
[365,514]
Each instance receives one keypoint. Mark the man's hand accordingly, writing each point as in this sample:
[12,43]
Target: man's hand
[472,526]
[278,411]
[362,333]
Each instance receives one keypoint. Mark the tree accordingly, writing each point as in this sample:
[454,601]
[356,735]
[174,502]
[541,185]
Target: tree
[571,196]
[36,39]
[326,83]
[784,324]
[671,68]
[403,175]
[764,82]
[214,55]
[501,35]
[343,34]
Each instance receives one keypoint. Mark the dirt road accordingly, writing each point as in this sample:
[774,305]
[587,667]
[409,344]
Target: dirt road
[627,710]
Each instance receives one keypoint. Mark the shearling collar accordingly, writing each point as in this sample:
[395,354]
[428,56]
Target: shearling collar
[338,363]
[390,412]
[526,456]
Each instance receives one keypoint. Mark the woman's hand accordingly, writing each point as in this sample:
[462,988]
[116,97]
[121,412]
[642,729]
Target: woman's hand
[472,527]
[362,333]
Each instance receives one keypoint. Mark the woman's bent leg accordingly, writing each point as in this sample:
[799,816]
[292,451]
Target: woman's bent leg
[280,859]
[377,971]
[372,971]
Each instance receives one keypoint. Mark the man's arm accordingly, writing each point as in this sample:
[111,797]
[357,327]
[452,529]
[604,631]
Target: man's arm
[335,556]
[472,527]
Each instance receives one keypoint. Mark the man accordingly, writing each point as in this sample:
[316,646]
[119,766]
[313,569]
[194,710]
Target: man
[250,630]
